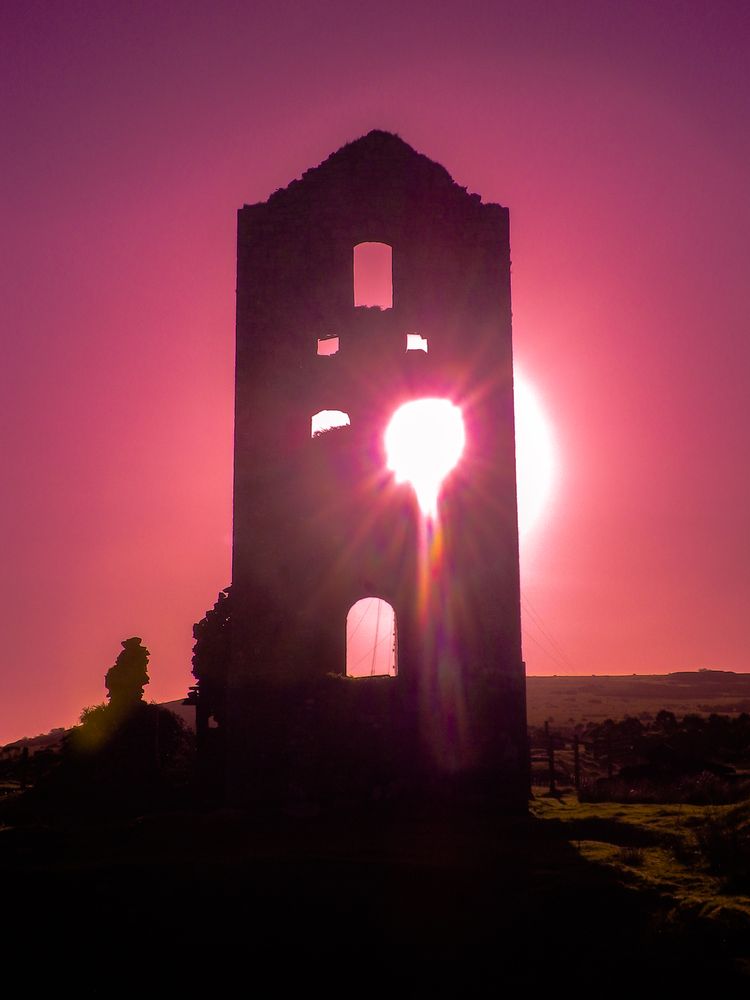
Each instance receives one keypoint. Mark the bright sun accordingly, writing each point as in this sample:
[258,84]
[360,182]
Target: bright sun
[423,443]
[425,440]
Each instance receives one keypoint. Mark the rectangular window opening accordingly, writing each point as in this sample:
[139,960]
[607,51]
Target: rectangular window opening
[328,346]
[416,343]
[373,275]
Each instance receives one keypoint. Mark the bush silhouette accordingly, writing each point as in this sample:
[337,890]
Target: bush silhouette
[126,757]
[212,636]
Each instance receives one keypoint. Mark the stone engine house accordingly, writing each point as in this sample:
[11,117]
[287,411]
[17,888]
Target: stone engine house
[319,521]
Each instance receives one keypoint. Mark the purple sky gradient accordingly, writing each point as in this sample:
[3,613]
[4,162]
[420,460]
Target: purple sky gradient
[131,132]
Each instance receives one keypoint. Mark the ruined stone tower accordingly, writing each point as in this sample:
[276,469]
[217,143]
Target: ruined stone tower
[320,523]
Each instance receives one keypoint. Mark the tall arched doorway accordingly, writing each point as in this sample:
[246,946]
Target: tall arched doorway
[371,639]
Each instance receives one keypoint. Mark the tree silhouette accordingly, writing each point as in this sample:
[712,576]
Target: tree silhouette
[211,661]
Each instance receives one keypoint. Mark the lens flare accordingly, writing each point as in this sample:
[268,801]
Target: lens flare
[423,443]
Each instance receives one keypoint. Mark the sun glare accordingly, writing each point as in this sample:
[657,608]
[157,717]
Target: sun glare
[426,437]
[535,455]
[423,443]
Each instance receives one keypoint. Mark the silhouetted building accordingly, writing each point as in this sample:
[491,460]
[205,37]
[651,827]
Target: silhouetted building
[319,522]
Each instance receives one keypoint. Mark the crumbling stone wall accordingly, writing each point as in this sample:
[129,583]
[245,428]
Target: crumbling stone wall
[318,524]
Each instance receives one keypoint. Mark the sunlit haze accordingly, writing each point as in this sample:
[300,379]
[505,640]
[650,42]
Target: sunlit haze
[536,457]
[424,441]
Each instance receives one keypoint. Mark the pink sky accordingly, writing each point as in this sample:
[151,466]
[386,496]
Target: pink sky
[617,135]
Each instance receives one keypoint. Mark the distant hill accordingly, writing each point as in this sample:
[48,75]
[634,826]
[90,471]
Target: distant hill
[185,712]
[45,741]
[53,739]
[569,700]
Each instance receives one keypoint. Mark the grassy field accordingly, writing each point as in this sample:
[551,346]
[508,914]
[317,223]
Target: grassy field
[692,855]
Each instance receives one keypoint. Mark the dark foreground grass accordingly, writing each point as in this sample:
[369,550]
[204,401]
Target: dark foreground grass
[419,902]
[694,859]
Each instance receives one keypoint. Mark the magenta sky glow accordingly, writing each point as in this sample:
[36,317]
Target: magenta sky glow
[618,136]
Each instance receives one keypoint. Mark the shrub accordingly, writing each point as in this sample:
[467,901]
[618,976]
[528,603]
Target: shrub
[724,843]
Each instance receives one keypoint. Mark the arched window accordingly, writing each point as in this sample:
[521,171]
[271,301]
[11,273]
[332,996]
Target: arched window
[328,420]
[373,275]
[371,639]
